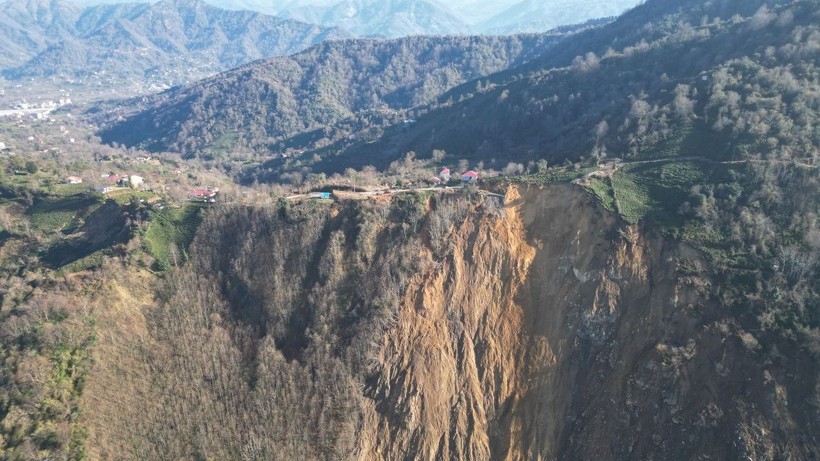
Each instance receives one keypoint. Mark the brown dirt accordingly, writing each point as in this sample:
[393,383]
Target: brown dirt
[558,332]
[553,332]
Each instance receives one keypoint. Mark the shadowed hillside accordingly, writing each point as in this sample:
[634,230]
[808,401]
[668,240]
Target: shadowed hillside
[270,101]
[625,88]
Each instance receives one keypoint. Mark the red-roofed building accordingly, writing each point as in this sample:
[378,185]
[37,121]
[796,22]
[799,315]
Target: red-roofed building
[202,194]
[445,174]
[470,176]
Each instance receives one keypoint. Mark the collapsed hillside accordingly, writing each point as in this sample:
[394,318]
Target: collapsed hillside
[446,327]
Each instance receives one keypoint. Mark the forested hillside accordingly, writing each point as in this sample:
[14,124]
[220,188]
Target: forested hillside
[269,101]
[740,73]
[746,83]
[29,27]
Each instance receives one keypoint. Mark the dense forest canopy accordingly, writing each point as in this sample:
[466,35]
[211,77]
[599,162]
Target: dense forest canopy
[626,96]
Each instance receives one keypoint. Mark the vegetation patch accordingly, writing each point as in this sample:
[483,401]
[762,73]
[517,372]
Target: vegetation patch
[170,233]
[67,190]
[550,176]
[655,190]
[691,140]
[100,230]
[61,213]
[92,261]
[601,189]
[225,143]
[126,196]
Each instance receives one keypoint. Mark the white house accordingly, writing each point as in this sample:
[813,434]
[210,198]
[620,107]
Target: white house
[136,181]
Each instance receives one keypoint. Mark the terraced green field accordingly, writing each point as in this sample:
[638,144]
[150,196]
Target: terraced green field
[169,227]
[550,176]
[62,212]
[656,190]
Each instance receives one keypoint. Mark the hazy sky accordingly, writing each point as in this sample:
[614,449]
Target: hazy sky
[475,7]
[480,10]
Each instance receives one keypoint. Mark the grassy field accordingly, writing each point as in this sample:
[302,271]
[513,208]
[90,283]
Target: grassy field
[601,188]
[662,177]
[92,261]
[62,212]
[224,144]
[652,190]
[169,227]
[550,176]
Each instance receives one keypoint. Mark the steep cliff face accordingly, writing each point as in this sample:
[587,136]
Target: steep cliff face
[502,349]
[544,329]
[558,332]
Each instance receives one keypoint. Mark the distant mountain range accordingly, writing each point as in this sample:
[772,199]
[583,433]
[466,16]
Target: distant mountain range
[539,15]
[383,18]
[397,18]
[174,40]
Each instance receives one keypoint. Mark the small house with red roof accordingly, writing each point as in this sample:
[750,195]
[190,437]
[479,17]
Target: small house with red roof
[73,180]
[445,174]
[202,195]
[470,176]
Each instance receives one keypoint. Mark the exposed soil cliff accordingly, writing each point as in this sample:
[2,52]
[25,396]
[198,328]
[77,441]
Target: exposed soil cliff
[559,333]
[546,329]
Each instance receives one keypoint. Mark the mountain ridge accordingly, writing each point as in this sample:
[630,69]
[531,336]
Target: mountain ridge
[464,16]
[552,106]
[186,39]
[393,18]
[320,86]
